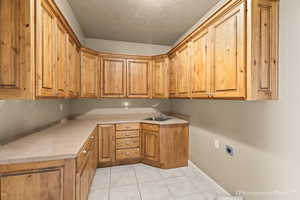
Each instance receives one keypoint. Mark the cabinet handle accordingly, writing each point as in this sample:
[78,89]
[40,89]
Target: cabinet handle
[92,137]
[127,153]
[84,152]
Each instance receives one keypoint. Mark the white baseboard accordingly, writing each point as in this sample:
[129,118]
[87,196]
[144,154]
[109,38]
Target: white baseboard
[209,178]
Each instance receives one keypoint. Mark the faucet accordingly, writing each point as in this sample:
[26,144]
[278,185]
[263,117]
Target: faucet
[157,113]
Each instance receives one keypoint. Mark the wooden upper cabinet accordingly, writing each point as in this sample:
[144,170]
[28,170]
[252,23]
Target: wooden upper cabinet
[61,56]
[106,144]
[77,71]
[15,59]
[46,51]
[138,78]
[173,75]
[183,72]
[89,74]
[160,77]
[113,77]
[228,55]
[71,46]
[200,87]
[41,184]
[263,68]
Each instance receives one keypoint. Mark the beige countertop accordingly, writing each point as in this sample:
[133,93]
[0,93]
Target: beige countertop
[63,141]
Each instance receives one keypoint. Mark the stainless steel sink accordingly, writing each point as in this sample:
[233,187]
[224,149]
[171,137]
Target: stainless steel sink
[159,119]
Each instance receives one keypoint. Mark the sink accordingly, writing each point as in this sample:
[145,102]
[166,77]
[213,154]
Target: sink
[159,119]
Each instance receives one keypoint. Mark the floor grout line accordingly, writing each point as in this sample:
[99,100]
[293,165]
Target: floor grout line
[109,184]
[138,185]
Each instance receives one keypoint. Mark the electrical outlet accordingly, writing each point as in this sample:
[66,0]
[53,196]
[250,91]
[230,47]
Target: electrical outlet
[230,150]
[61,107]
[217,144]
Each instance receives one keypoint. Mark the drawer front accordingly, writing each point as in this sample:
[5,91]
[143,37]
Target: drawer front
[150,127]
[123,154]
[127,134]
[129,126]
[128,143]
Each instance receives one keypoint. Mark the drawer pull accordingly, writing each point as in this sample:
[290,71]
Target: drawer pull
[84,152]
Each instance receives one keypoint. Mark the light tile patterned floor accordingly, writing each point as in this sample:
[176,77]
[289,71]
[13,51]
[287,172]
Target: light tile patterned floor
[143,182]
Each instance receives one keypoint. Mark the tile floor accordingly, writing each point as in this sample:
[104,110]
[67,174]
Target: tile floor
[143,182]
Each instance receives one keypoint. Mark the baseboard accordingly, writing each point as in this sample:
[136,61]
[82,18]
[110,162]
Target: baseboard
[208,177]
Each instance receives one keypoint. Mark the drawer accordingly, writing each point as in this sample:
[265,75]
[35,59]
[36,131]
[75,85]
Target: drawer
[127,134]
[123,154]
[127,143]
[150,127]
[129,126]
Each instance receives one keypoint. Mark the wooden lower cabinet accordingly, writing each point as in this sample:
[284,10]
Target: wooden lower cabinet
[106,136]
[151,146]
[43,184]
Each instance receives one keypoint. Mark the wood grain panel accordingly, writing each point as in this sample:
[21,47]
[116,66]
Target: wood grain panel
[113,77]
[160,77]
[42,185]
[106,143]
[201,70]
[228,56]
[151,145]
[89,75]
[184,72]
[138,78]
[173,75]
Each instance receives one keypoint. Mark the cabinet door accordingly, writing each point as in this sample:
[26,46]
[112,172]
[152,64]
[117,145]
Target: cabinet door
[138,78]
[183,72]
[10,68]
[71,68]
[200,66]
[173,76]
[228,55]
[61,56]
[89,75]
[77,72]
[106,144]
[41,185]
[265,51]
[46,49]
[113,77]
[151,149]
[160,78]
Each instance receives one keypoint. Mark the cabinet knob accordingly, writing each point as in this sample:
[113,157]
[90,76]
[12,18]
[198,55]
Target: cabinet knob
[127,153]
[84,152]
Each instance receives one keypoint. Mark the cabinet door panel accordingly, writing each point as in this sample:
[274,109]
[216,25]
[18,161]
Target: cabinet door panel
[10,71]
[45,185]
[160,78]
[46,67]
[61,53]
[265,43]
[228,55]
[151,145]
[173,76]
[138,78]
[200,74]
[113,77]
[106,143]
[89,75]
[183,72]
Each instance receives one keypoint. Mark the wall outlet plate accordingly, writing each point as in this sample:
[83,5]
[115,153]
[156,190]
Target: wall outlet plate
[230,150]
[217,143]
[61,107]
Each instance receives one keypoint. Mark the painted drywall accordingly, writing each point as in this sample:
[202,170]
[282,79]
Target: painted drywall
[131,48]
[67,11]
[80,107]
[19,117]
[265,134]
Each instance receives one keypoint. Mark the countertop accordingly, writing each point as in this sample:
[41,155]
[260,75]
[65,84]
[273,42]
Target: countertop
[64,141]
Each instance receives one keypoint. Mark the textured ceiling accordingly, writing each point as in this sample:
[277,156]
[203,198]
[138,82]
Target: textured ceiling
[146,21]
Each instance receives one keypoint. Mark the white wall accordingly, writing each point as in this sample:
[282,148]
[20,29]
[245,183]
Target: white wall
[266,134]
[130,48]
[79,107]
[66,9]
[26,116]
